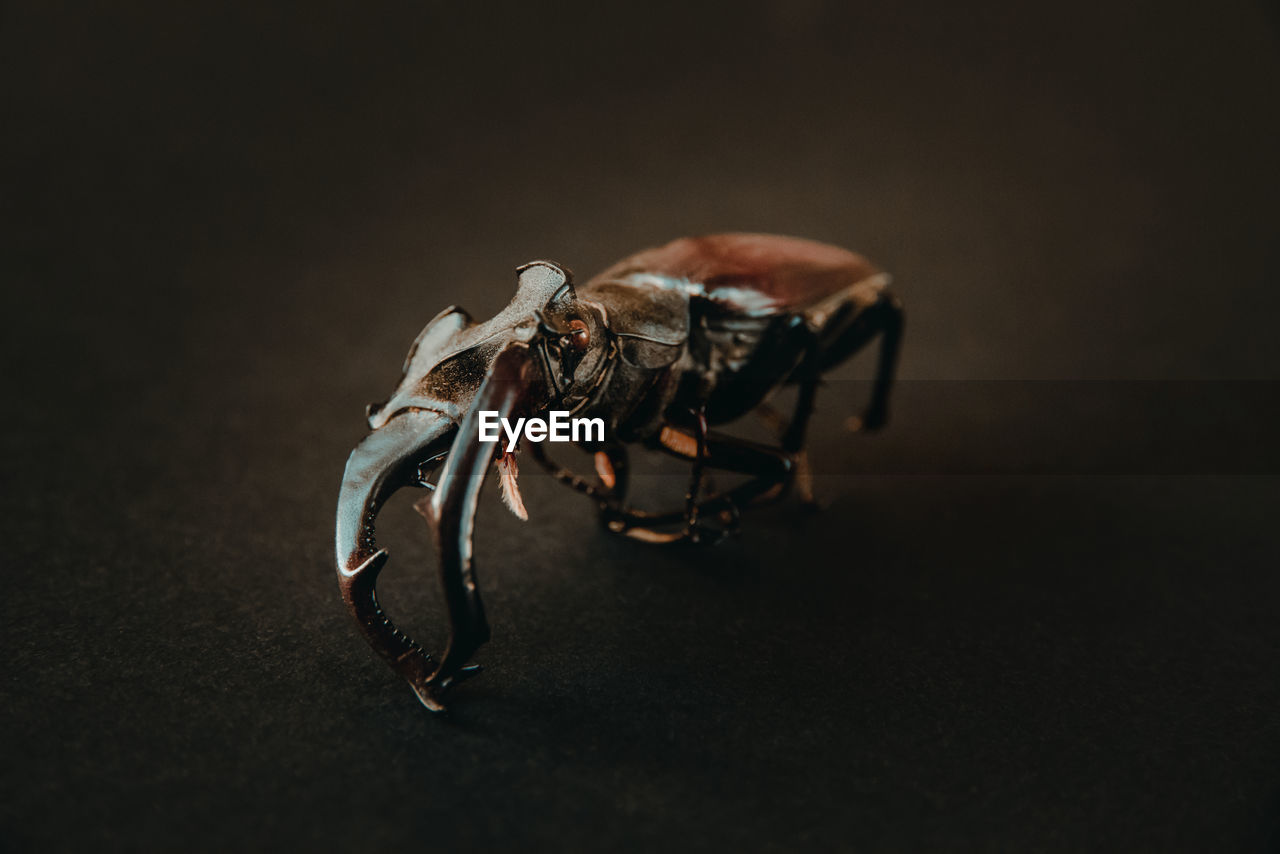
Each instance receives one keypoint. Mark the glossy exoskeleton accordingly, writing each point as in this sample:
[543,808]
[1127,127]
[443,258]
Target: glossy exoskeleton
[662,346]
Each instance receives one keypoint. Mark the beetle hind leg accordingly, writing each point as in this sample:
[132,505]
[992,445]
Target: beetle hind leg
[842,339]
[778,424]
[843,335]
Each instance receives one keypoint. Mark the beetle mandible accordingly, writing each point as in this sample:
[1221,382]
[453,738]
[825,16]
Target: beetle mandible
[662,346]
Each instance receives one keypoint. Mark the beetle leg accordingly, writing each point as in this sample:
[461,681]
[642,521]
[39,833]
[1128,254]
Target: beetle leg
[614,469]
[771,469]
[691,528]
[839,341]
[804,480]
[642,526]
[563,475]
[777,423]
[611,469]
[793,438]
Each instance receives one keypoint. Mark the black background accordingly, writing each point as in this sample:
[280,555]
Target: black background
[1039,612]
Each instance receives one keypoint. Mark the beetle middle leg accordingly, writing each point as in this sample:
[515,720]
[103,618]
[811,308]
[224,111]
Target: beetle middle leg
[777,424]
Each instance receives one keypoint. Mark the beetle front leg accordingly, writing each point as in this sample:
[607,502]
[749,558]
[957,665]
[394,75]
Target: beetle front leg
[612,470]
[770,470]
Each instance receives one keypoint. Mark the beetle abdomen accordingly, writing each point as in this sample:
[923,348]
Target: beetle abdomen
[754,275]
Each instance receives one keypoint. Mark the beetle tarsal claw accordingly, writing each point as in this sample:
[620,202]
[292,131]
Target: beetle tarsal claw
[508,472]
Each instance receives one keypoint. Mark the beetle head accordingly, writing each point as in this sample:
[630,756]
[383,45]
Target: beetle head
[564,341]
[574,344]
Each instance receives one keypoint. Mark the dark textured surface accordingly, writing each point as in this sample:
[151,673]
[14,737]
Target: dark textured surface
[1035,615]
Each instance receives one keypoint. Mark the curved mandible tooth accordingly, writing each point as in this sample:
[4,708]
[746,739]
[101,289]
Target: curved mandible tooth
[359,591]
[513,385]
[384,461]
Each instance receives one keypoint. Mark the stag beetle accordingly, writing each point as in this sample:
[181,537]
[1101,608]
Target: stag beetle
[661,346]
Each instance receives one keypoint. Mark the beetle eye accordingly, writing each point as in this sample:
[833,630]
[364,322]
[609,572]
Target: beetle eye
[578,336]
